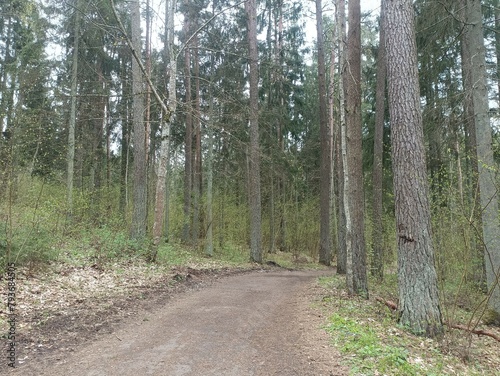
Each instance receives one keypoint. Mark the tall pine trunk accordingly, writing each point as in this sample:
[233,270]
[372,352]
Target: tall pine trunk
[419,308]
[477,269]
[139,214]
[354,152]
[378,155]
[171,73]
[254,153]
[325,247]
[485,160]
[344,224]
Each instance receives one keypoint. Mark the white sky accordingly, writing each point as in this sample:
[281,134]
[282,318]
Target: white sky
[158,6]
[328,10]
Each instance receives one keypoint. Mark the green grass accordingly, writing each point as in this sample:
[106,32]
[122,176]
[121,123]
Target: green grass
[372,343]
[367,353]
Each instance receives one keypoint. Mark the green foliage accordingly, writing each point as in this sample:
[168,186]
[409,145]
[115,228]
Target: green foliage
[372,342]
[28,246]
[108,243]
[172,255]
[232,254]
[370,353]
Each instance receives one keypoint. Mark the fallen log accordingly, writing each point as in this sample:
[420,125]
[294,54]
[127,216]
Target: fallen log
[480,332]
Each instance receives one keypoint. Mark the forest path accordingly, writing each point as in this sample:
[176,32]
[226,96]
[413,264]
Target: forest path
[258,323]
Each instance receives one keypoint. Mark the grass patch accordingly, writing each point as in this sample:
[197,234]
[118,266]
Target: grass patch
[367,352]
[372,343]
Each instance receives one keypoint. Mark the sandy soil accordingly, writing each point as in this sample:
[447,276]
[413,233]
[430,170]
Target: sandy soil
[258,323]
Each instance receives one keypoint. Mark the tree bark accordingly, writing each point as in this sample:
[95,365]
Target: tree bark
[354,151]
[325,247]
[171,73]
[333,133]
[139,216]
[209,245]
[344,225]
[254,173]
[477,270]
[419,308]
[197,178]
[485,160]
[188,160]
[378,156]
[125,132]
[72,119]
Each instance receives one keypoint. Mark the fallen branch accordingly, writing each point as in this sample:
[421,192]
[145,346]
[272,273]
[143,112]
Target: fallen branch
[480,332]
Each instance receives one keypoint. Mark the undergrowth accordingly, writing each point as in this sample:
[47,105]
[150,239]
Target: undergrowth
[367,334]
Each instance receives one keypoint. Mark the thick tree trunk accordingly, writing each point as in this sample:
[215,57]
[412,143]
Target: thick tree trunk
[354,151]
[139,214]
[254,173]
[377,266]
[486,163]
[325,244]
[419,307]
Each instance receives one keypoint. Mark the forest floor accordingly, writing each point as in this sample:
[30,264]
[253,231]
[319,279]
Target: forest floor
[136,319]
[209,317]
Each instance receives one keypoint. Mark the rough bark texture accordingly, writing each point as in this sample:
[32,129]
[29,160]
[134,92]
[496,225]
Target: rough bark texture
[377,266]
[419,307]
[342,228]
[486,163]
[254,172]
[325,244]
[496,5]
[139,214]
[355,150]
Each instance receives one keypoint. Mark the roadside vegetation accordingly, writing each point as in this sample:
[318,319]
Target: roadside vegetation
[79,276]
[372,343]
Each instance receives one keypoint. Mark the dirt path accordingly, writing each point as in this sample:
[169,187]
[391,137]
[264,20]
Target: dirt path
[259,323]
